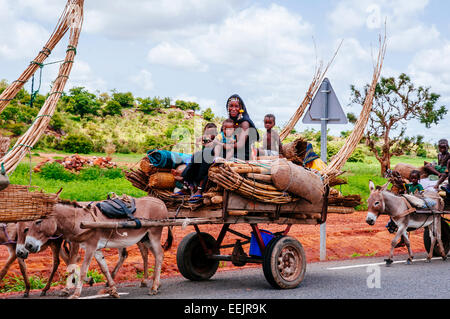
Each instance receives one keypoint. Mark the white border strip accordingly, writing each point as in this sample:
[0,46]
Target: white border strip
[375,264]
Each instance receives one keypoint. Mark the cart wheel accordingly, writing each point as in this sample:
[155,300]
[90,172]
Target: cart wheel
[192,261]
[284,262]
[445,235]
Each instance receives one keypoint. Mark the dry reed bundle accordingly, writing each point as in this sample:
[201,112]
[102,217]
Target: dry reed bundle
[4,145]
[64,23]
[72,19]
[296,151]
[346,201]
[138,179]
[318,77]
[225,176]
[338,161]
[18,203]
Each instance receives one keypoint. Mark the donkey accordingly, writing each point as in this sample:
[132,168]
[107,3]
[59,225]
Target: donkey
[382,201]
[12,235]
[71,256]
[65,220]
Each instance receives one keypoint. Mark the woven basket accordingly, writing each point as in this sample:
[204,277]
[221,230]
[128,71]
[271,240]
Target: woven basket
[161,181]
[18,203]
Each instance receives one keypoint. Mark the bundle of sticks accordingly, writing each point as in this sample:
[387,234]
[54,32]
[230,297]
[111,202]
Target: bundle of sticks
[72,20]
[249,180]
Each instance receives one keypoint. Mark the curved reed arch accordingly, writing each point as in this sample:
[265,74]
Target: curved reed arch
[338,161]
[318,77]
[71,19]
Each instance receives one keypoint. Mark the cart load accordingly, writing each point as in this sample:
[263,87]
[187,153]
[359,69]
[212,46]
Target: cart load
[276,181]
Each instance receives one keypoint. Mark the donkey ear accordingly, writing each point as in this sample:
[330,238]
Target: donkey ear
[371,186]
[385,186]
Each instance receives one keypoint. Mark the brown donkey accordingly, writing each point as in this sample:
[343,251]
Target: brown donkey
[12,235]
[66,219]
[382,201]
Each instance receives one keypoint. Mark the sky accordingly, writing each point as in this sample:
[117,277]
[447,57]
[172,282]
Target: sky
[265,51]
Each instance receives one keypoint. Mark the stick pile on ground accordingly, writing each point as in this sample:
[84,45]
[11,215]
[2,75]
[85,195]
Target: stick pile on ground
[75,163]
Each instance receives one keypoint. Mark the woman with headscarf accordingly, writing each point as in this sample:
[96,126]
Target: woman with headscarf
[246,132]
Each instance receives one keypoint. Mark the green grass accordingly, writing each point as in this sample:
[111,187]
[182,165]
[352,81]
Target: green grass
[80,190]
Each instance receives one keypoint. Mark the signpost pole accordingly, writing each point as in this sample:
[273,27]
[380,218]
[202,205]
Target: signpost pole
[324,109]
[323,157]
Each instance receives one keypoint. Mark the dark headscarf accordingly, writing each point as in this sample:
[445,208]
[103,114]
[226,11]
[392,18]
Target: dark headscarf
[242,117]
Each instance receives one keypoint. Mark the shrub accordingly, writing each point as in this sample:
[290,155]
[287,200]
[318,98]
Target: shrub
[56,171]
[357,156]
[89,174]
[112,107]
[208,114]
[113,173]
[77,143]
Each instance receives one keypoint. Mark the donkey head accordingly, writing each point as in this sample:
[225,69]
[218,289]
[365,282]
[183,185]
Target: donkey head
[375,202]
[22,231]
[39,232]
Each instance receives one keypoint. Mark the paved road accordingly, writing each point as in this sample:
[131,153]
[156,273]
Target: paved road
[366,278]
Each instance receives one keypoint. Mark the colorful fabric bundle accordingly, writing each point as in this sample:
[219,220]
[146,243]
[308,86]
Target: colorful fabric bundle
[167,159]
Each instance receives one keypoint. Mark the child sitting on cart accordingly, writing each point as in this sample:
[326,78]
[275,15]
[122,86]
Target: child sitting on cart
[271,141]
[225,140]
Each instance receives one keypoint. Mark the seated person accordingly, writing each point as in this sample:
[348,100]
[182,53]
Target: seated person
[195,175]
[441,169]
[226,139]
[271,140]
[414,185]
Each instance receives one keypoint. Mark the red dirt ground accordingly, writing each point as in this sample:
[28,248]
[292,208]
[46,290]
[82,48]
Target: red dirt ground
[348,237]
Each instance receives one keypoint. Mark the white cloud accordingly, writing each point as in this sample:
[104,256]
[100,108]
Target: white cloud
[140,19]
[173,55]
[144,80]
[82,75]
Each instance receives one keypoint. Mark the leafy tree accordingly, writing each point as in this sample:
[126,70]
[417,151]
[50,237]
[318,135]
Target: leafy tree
[183,105]
[126,100]
[112,107]
[148,105]
[208,114]
[81,102]
[397,101]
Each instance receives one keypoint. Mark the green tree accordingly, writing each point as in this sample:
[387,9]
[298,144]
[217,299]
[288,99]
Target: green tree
[396,102]
[112,107]
[184,105]
[208,114]
[126,100]
[81,102]
[148,105]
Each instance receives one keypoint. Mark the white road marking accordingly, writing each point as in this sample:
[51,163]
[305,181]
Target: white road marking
[375,264]
[103,296]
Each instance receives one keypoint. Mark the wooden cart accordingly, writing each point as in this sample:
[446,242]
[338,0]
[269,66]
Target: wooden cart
[445,233]
[283,258]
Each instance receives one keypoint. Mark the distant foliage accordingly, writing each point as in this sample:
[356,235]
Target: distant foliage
[81,102]
[77,143]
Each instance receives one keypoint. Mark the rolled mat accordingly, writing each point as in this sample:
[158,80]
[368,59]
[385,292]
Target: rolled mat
[292,178]
[167,159]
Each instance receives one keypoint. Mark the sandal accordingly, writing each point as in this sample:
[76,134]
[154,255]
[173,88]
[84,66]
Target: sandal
[195,198]
[178,194]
